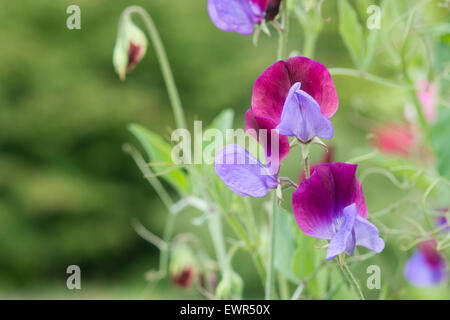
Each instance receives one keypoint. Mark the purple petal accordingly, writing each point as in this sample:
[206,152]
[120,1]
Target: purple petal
[421,272]
[321,199]
[243,173]
[301,117]
[367,235]
[344,239]
[261,123]
[273,85]
[236,15]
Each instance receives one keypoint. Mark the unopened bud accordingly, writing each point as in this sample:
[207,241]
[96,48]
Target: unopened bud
[130,48]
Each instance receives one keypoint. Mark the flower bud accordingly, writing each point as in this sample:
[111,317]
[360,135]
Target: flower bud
[182,266]
[230,287]
[130,48]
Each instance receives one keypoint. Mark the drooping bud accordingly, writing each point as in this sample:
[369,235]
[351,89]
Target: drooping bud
[182,266]
[272,9]
[130,48]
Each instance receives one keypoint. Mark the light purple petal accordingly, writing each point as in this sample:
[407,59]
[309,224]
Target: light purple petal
[344,238]
[301,117]
[321,199]
[367,235]
[236,15]
[273,85]
[420,273]
[261,123]
[243,173]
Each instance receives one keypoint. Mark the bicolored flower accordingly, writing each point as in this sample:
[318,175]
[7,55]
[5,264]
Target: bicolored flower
[330,205]
[239,16]
[243,173]
[296,97]
[130,48]
[426,267]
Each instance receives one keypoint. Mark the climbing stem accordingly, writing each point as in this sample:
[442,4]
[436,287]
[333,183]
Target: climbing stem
[283,33]
[166,70]
[273,236]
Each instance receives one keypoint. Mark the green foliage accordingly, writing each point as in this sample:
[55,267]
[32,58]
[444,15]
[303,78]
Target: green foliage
[285,245]
[351,31]
[159,154]
[440,136]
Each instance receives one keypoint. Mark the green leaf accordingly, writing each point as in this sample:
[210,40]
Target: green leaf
[159,152]
[440,134]
[285,245]
[351,31]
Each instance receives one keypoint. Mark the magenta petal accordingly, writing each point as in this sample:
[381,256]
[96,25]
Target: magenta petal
[272,87]
[261,123]
[236,15]
[321,199]
[243,173]
[316,81]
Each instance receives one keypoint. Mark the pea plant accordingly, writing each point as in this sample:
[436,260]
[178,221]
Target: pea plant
[306,235]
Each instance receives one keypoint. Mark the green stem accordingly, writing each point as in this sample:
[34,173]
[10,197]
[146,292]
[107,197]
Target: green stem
[166,199]
[352,281]
[367,76]
[305,154]
[172,91]
[273,236]
[215,229]
[309,45]
[283,35]
[284,288]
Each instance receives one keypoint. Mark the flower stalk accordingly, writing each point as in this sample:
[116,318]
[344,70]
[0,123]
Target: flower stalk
[166,70]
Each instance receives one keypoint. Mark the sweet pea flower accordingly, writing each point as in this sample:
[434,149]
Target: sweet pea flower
[295,97]
[239,16]
[330,205]
[243,173]
[394,139]
[427,97]
[426,267]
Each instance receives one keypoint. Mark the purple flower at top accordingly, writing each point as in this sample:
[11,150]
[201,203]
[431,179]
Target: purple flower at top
[302,86]
[426,267]
[243,173]
[330,205]
[239,16]
[443,222]
[301,117]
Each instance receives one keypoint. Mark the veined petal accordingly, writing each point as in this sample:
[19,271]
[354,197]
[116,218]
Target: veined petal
[261,123]
[301,117]
[344,239]
[243,173]
[320,200]
[367,235]
[235,15]
[273,85]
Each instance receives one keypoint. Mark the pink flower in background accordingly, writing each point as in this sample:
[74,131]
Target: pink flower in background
[426,267]
[394,139]
[427,97]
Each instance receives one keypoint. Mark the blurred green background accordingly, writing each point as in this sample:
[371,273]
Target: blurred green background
[68,193]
